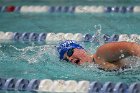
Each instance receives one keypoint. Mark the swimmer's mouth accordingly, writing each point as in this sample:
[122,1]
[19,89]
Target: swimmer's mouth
[77,61]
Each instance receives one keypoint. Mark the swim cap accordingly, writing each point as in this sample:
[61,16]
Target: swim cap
[65,46]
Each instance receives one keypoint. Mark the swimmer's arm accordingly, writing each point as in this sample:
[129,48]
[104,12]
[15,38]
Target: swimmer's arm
[108,66]
[115,51]
[104,65]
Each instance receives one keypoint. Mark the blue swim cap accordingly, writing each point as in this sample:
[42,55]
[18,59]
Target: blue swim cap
[65,46]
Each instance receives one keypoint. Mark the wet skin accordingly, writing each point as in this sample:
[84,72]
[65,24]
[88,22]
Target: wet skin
[108,56]
[79,56]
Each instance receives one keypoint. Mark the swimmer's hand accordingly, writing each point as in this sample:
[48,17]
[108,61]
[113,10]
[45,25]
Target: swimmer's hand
[107,66]
[109,56]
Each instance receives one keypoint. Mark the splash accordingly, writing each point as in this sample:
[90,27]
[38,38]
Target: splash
[99,34]
[97,39]
[33,54]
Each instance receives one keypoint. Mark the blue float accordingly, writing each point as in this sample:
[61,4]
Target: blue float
[108,9]
[58,9]
[52,9]
[42,37]
[115,9]
[25,36]
[71,9]
[33,37]
[134,88]
[21,84]
[130,9]
[2,82]
[17,9]
[95,87]
[107,88]
[66,9]
[87,37]
[113,38]
[120,88]
[3,8]
[105,37]
[33,85]
[9,84]
[17,36]
[123,9]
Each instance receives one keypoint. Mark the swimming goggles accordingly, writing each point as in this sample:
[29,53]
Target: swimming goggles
[69,54]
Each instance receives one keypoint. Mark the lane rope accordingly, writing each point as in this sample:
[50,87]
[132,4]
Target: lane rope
[48,85]
[70,9]
[47,37]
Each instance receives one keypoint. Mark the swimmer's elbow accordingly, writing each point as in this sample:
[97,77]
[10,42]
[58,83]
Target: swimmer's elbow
[135,49]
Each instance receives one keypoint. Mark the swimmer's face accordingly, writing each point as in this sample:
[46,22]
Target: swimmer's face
[76,56]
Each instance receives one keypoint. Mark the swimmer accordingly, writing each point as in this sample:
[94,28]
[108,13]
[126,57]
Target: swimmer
[108,56]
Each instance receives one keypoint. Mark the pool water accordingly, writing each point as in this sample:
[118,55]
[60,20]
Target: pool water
[34,61]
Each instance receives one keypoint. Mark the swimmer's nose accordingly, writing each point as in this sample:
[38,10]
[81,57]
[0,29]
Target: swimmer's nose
[70,59]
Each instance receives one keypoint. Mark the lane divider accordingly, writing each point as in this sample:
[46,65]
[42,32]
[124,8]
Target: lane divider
[48,85]
[46,37]
[70,9]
